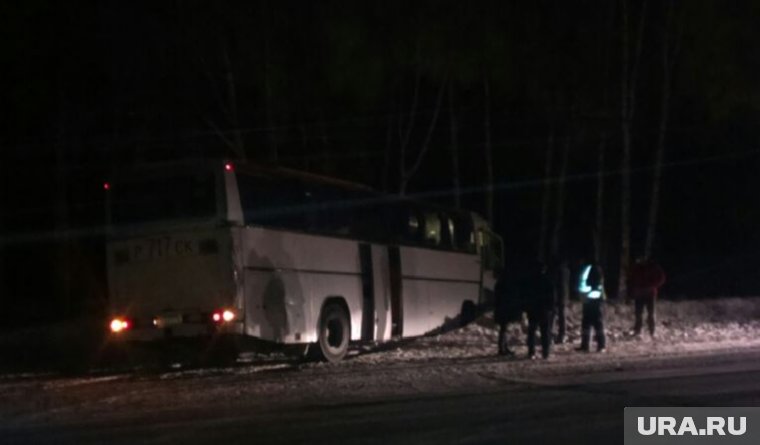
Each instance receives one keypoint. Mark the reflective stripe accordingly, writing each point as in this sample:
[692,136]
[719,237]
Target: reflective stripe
[583,286]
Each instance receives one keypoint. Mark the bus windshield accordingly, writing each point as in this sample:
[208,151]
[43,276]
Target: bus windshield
[155,199]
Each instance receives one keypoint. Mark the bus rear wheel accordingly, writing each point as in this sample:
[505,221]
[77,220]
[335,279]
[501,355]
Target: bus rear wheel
[334,333]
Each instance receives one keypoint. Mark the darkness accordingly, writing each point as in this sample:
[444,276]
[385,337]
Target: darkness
[329,87]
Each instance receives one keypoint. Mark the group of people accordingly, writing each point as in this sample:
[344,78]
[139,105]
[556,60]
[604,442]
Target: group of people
[544,292]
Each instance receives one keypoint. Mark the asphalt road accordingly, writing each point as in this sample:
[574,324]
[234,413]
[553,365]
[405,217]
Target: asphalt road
[584,408]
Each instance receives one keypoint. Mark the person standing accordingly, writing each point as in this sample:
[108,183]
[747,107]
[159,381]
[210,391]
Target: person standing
[644,281]
[538,291]
[591,289]
[506,309]
[560,275]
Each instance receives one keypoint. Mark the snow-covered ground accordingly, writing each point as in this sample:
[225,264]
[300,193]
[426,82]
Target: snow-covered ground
[460,360]
[682,326]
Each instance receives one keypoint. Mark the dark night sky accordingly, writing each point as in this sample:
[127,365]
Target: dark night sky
[93,86]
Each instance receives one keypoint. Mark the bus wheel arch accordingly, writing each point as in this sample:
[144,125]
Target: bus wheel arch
[333,330]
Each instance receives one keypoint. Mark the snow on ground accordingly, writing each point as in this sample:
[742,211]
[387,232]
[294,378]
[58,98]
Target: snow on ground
[682,326]
[460,360]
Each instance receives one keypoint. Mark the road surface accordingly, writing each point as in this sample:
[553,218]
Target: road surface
[576,407]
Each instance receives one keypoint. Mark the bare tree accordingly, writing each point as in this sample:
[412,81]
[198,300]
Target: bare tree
[227,101]
[406,173]
[488,148]
[62,215]
[546,195]
[268,94]
[453,123]
[599,216]
[598,238]
[628,78]
[670,50]
[387,153]
[559,205]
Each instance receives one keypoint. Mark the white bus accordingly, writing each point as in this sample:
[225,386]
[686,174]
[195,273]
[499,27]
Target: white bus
[213,248]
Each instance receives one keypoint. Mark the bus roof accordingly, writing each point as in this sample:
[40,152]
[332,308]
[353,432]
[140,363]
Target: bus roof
[246,167]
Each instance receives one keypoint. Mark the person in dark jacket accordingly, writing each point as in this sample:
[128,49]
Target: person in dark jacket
[538,292]
[644,281]
[591,289]
[560,275]
[507,309]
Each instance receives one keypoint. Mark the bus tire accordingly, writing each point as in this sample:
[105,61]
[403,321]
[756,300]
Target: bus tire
[334,333]
[469,313]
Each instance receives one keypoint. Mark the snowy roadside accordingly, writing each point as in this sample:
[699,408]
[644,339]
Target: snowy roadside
[463,360]
[682,327]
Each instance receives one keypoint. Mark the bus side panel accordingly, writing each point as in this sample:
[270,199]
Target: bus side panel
[276,305]
[446,300]
[300,272]
[436,284]
[417,314]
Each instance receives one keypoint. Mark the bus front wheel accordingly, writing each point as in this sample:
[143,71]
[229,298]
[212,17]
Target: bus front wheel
[334,333]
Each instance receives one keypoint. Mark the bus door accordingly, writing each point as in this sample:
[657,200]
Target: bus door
[368,292]
[396,291]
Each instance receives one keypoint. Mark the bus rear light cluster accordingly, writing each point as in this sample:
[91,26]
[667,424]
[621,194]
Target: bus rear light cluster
[223,316]
[120,324]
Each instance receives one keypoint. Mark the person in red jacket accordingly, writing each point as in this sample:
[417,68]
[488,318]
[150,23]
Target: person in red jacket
[644,281]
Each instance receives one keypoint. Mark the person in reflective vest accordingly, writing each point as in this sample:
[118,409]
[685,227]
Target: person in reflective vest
[591,289]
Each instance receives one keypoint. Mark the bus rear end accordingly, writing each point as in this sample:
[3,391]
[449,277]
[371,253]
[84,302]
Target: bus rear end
[170,255]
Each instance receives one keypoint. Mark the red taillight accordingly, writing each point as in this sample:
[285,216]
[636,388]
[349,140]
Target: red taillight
[223,316]
[120,324]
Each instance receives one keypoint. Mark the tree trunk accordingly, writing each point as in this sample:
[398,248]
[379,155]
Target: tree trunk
[62,217]
[4,204]
[405,133]
[668,60]
[559,209]
[599,238]
[599,220]
[408,174]
[454,151]
[546,198]
[238,144]
[324,140]
[387,153]
[628,96]
[274,155]
[488,150]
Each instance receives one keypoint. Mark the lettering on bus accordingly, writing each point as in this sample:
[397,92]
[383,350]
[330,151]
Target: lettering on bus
[160,248]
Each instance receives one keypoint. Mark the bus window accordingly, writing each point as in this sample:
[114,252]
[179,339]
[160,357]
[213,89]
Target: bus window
[273,203]
[464,234]
[331,209]
[432,229]
[448,240]
[413,228]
